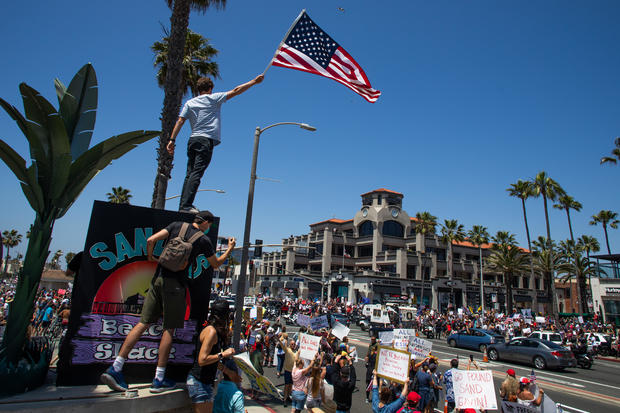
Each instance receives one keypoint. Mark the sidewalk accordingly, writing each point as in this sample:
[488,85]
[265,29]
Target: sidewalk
[614,359]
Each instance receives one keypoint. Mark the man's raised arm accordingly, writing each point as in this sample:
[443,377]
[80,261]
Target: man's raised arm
[242,88]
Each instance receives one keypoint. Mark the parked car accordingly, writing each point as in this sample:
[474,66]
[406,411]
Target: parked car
[341,318]
[475,338]
[542,354]
[599,343]
[552,336]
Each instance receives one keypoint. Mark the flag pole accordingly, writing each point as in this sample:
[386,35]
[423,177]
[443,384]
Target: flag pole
[282,42]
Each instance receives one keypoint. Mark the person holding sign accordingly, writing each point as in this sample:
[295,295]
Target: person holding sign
[343,379]
[525,396]
[381,397]
[300,384]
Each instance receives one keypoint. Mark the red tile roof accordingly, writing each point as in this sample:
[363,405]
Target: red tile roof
[484,246]
[333,221]
[382,190]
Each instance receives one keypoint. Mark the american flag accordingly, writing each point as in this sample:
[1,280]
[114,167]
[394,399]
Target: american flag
[309,49]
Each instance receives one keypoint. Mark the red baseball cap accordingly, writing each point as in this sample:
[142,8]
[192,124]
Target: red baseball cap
[525,380]
[510,372]
[413,397]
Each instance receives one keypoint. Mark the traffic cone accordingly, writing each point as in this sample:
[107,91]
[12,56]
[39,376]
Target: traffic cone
[485,358]
[417,333]
[445,407]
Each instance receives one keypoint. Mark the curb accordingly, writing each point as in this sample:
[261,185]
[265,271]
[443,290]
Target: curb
[613,359]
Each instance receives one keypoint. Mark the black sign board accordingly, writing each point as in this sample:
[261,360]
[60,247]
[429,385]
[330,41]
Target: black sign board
[109,291]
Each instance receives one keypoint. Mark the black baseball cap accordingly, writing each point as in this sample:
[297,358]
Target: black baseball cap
[204,216]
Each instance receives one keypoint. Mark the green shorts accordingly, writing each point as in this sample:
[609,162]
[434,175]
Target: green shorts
[166,296]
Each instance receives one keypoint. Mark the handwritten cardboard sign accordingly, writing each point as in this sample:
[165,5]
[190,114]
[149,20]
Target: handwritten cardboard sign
[386,337]
[474,389]
[303,320]
[308,346]
[419,347]
[340,330]
[249,301]
[258,382]
[393,364]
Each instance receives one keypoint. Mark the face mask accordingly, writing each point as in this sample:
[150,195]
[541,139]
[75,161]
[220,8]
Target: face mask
[206,231]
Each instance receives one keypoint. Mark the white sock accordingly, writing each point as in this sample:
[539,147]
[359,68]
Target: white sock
[118,364]
[159,373]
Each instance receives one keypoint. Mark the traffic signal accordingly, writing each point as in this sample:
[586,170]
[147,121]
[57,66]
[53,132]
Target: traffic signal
[258,251]
[251,265]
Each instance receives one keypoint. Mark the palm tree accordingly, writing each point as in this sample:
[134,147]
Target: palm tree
[451,231]
[588,244]
[478,236]
[507,259]
[606,217]
[426,223]
[173,92]
[548,189]
[524,190]
[10,239]
[567,202]
[55,258]
[581,268]
[196,61]
[569,250]
[119,195]
[615,154]
[68,257]
[62,165]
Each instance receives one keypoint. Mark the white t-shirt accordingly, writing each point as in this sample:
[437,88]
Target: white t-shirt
[204,115]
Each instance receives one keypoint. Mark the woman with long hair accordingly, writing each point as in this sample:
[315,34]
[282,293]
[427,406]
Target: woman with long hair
[315,388]
[211,349]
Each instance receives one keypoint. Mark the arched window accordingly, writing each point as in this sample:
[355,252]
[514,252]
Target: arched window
[365,229]
[393,229]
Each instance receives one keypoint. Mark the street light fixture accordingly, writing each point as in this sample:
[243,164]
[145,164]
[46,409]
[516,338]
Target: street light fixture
[219,191]
[248,224]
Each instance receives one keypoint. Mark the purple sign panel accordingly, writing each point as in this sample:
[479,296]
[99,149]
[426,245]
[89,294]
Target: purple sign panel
[89,351]
[117,326]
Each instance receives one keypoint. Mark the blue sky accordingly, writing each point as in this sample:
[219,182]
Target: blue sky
[475,96]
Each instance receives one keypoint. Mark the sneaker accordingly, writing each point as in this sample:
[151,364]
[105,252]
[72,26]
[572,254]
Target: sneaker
[159,386]
[114,379]
[191,210]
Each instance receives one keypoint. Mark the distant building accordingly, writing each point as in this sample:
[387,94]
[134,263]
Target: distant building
[55,279]
[378,256]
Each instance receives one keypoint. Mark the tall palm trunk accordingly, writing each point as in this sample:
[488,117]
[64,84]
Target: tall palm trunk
[22,307]
[179,21]
[581,282]
[6,259]
[606,237]
[550,277]
[508,288]
[532,276]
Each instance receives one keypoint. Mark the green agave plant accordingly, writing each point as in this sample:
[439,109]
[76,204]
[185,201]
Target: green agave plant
[62,165]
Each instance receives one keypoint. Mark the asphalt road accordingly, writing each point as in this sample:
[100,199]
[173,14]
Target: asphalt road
[594,390]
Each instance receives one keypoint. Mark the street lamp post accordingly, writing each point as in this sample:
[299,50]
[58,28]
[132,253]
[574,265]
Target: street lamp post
[422,257]
[219,191]
[246,233]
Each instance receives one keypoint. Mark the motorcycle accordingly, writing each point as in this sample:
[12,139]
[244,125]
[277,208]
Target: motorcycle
[584,360]
[429,331]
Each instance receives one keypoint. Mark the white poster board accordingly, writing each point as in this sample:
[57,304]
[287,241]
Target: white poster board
[474,389]
[340,330]
[303,320]
[386,337]
[419,347]
[308,346]
[540,320]
[380,316]
[259,383]
[401,342]
[580,319]
[393,364]
[253,312]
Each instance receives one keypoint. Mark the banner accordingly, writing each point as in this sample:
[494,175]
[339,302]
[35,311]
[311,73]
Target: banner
[419,348]
[407,314]
[259,383]
[474,389]
[318,323]
[109,291]
[379,316]
[393,364]
[402,337]
[540,320]
[303,320]
[340,330]
[308,346]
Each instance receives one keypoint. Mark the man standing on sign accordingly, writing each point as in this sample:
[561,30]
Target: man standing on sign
[204,113]
[166,297]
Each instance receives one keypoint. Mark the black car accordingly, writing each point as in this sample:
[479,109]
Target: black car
[341,318]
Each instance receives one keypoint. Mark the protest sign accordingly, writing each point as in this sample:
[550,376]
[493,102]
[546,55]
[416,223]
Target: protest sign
[401,342]
[318,323]
[308,346]
[303,320]
[253,312]
[386,337]
[540,320]
[258,382]
[380,316]
[419,347]
[249,301]
[340,330]
[528,320]
[580,319]
[511,407]
[407,314]
[404,332]
[393,364]
[474,389]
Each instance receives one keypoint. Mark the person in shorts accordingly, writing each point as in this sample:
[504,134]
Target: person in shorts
[211,351]
[166,298]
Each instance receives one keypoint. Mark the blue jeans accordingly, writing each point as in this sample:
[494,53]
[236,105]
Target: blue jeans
[199,392]
[280,363]
[299,400]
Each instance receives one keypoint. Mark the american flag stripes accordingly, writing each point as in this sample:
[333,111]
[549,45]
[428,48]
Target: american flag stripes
[309,49]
